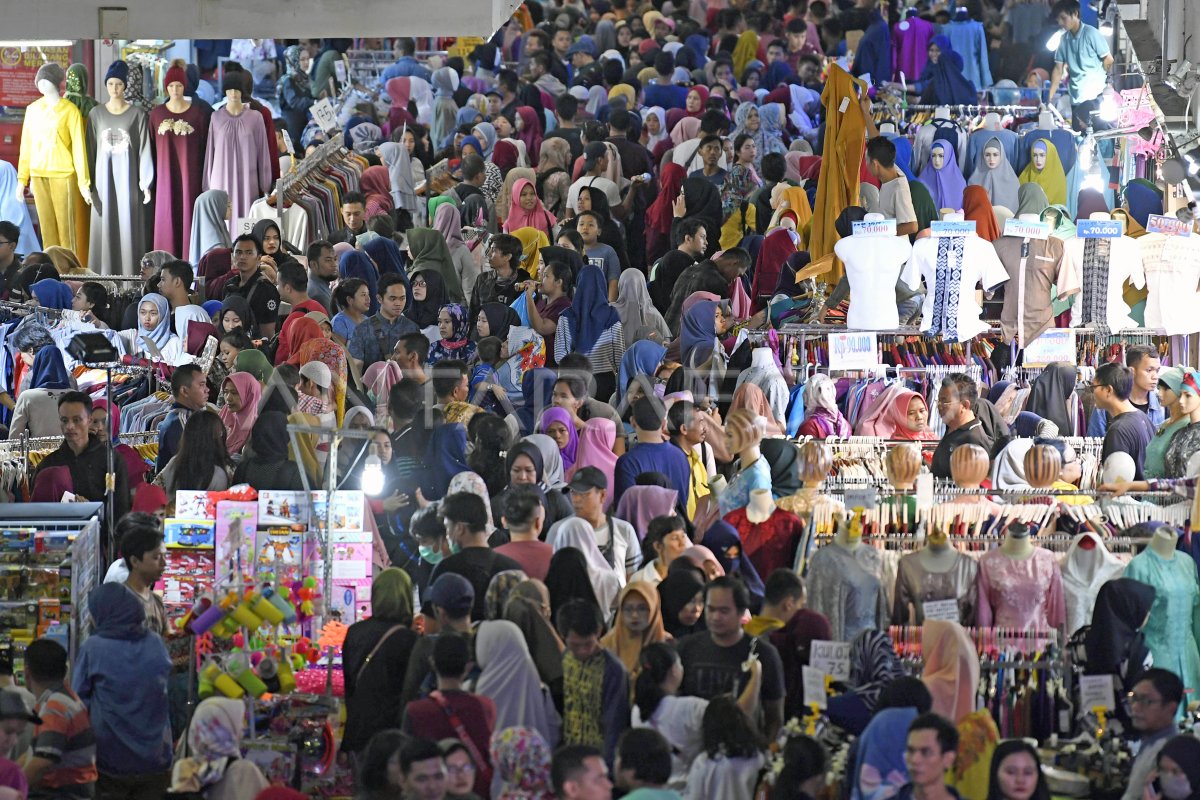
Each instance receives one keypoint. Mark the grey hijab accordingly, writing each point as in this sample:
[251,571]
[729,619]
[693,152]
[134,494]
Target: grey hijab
[209,228]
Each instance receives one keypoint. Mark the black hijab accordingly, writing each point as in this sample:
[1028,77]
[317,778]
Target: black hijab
[844,224]
[784,458]
[269,437]
[562,255]
[702,199]
[1049,393]
[567,579]
[425,312]
[676,591]
[500,318]
[1114,638]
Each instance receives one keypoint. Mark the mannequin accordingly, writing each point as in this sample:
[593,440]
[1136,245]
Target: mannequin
[1020,584]
[1033,266]
[1009,141]
[236,158]
[815,463]
[1113,262]
[951,307]
[902,463]
[969,466]
[119,155]
[935,572]
[844,584]
[180,130]
[942,126]
[1043,465]
[1170,629]
[991,121]
[1186,442]
[873,267]
[764,373]
[1086,567]
[743,432]
[1045,169]
[53,160]
[770,536]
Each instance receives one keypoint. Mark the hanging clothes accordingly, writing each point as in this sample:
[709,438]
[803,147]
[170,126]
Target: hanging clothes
[1170,629]
[970,41]
[840,162]
[122,172]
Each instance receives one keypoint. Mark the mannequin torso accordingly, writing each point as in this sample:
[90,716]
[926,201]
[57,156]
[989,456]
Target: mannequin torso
[1163,544]
[1017,547]
[761,506]
[939,557]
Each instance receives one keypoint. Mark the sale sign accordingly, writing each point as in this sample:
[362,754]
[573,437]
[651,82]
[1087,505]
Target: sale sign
[18,69]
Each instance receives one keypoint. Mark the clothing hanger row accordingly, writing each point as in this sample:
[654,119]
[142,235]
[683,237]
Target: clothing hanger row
[326,152]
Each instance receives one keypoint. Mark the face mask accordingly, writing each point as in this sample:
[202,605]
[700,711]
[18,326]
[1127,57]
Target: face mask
[454,548]
[1175,787]
[429,555]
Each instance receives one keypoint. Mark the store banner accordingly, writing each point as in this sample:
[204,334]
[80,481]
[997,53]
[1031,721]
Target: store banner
[18,69]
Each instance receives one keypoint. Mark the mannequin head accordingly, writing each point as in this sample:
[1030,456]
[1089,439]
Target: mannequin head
[1042,465]
[1189,399]
[1118,468]
[743,430]
[969,465]
[49,77]
[233,95]
[938,156]
[48,89]
[116,89]
[902,463]
[1039,157]
[176,91]
[991,156]
[815,463]
[115,81]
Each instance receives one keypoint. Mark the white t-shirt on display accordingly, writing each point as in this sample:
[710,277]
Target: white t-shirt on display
[873,264]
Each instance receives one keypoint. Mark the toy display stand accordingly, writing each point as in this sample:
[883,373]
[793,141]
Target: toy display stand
[49,564]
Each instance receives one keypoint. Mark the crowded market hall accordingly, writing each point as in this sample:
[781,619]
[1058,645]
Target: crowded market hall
[554,432]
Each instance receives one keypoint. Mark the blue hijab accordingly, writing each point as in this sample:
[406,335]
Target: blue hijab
[881,753]
[117,612]
[488,132]
[590,313]
[947,84]
[698,45]
[466,116]
[162,331]
[904,156]
[14,211]
[1142,201]
[776,73]
[698,335]
[725,543]
[387,256]
[447,456]
[48,370]
[357,264]
[474,142]
[537,386]
[641,358]
[52,293]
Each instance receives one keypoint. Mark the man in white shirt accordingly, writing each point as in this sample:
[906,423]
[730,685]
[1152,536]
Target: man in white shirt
[895,198]
[687,155]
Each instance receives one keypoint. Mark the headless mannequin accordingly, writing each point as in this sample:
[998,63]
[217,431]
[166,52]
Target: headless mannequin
[50,92]
[761,506]
[1017,544]
[1163,543]
[849,535]
[937,555]
[1045,121]
[991,121]
[1029,218]
[887,128]
[117,105]
[1100,215]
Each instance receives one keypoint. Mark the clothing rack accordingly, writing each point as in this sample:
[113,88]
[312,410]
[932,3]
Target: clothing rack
[324,153]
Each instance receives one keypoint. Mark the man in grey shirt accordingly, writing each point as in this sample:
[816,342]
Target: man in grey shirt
[322,272]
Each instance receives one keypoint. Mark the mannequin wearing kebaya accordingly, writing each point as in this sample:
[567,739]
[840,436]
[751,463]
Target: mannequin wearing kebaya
[237,159]
[935,573]
[180,130]
[1086,567]
[1170,632]
[119,156]
[769,534]
[1020,584]
[53,161]
[844,584]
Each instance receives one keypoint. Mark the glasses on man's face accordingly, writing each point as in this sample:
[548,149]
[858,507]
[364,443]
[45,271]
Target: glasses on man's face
[1141,700]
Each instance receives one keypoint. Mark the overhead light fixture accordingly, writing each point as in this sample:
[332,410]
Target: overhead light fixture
[372,476]
[1052,42]
[34,44]
[1110,109]
[1183,79]
[1106,29]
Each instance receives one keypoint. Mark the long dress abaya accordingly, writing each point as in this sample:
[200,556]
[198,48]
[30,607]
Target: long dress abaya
[179,141]
[122,169]
[841,161]
[237,159]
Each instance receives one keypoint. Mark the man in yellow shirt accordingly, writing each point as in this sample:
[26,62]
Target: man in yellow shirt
[688,433]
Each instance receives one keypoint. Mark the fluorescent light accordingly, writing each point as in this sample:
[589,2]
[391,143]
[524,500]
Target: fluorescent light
[1106,29]
[1109,109]
[33,44]
[1052,44]
[372,475]
[1094,181]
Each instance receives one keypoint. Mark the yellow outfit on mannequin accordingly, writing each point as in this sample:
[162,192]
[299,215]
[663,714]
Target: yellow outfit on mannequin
[54,164]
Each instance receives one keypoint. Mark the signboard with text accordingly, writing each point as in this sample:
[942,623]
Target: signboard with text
[1021,229]
[1099,228]
[18,69]
[853,350]
[1055,345]
[1171,226]
[882,227]
[943,229]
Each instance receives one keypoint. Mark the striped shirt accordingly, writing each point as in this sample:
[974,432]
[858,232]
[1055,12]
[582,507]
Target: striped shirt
[606,352]
[64,738]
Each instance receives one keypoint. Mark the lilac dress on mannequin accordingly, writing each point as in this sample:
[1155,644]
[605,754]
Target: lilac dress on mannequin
[237,159]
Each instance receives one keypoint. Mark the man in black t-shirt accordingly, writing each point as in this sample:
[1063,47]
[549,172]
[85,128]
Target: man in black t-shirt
[713,660]
[251,284]
[1129,430]
[466,528]
[956,399]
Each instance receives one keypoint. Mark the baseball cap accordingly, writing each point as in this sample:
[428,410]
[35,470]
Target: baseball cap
[450,592]
[587,478]
[593,153]
[14,706]
[584,44]
[318,373]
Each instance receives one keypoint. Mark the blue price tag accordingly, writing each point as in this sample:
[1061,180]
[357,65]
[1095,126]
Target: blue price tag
[945,228]
[1099,228]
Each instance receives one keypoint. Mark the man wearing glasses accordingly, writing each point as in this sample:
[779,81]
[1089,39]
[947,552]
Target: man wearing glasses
[10,262]
[1152,706]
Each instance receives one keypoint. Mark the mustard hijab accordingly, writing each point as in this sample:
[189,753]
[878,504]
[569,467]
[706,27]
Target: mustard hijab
[1051,178]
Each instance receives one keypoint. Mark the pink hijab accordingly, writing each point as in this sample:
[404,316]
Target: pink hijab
[684,130]
[750,397]
[951,668]
[518,218]
[239,423]
[379,379]
[640,504]
[596,450]
[698,554]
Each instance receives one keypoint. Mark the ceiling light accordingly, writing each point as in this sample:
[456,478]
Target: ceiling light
[372,475]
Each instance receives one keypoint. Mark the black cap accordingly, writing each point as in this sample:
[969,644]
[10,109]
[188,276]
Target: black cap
[593,153]
[14,706]
[587,478]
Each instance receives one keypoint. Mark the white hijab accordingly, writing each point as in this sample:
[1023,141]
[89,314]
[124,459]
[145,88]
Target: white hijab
[578,533]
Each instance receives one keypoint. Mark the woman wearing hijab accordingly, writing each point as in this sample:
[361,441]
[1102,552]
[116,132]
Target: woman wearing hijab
[595,449]
[529,132]
[945,183]
[242,393]
[209,226]
[386,256]
[154,325]
[52,293]
[402,188]
[554,174]
[527,211]
[873,664]
[1050,393]
[214,766]
[637,313]
[268,466]
[454,328]
[357,264]
[727,546]
[509,676]
[996,176]
[591,326]
[36,412]
[638,624]
[660,214]
[557,424]
[1113,643]
[569,578]
[908,418]
[448,221]
[427,250]
[376,184]
[976,206]
[521,757]
[532,241]
[375,656]
[294,91]
[682,595]
[429,296]
[942,79]
[1046,170]
[606,581]
[642,359]
[310,343]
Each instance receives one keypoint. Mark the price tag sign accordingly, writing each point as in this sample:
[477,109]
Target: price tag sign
[830,658]
[944,229]
[1097,691]
[324,115]
[881,227]
[287,143]
[1099,228]
[1026,230]
[850,350]
[945,610]
[339,69]
[244,225]
[1055,345]
[1171,226]
[864,498]
[814,687]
